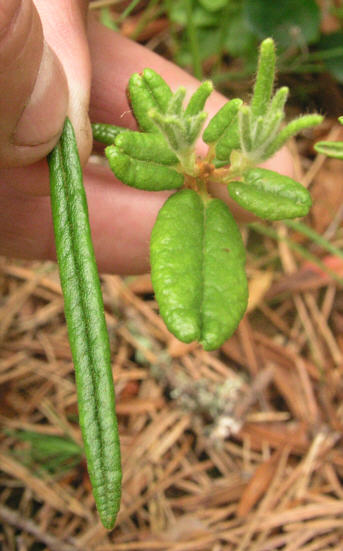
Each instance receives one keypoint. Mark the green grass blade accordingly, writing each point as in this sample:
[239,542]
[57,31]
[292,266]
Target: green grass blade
[314,236]
[302,251]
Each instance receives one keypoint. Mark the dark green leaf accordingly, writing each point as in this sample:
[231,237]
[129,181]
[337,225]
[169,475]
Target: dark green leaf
[289,22]
[239,39]
[333,64]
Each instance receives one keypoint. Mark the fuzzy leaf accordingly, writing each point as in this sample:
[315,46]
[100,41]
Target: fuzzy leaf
[221,121]
[148,91]
[245,130]
[172,128]
[279,99]
[270,195]
[142,174]
[292,128]
[198,99]
[146,147]
[265,78]
[229,142]
[175,103]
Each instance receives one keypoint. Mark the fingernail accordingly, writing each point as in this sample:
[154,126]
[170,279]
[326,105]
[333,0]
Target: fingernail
[46,109]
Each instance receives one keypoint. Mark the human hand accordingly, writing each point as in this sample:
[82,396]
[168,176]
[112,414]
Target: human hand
[121,217]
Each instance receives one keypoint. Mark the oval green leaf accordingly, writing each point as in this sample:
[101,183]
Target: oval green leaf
[142,174]
[148,91]
[270,196]
[197,269]
[146,147]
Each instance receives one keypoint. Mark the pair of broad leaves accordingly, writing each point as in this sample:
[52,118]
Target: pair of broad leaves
[197,253]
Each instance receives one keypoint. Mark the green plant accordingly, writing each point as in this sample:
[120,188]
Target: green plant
[331,149]
[87,330]
[47,452]
[215,29]
[197,253]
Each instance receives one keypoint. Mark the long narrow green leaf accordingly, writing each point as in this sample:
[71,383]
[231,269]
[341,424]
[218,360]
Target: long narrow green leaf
[87,330]
[314,236]
[265,78]
[291,129]
[244,121]
[198,99]
[302,251]
[331,149]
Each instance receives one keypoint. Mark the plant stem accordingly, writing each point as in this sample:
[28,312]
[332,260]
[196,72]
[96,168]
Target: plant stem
[127,11]
[193,41]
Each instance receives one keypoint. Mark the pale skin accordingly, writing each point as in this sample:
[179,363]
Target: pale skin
[79,69]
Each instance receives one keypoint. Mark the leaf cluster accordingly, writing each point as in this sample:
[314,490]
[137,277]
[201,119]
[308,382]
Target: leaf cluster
[193,280]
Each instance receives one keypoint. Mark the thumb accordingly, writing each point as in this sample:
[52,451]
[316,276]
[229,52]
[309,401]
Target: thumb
[34,91]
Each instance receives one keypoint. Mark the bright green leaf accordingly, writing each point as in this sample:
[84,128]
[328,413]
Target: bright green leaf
[142,174]
[198,269]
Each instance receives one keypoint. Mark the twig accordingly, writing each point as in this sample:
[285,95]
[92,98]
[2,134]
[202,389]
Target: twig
[16,520]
